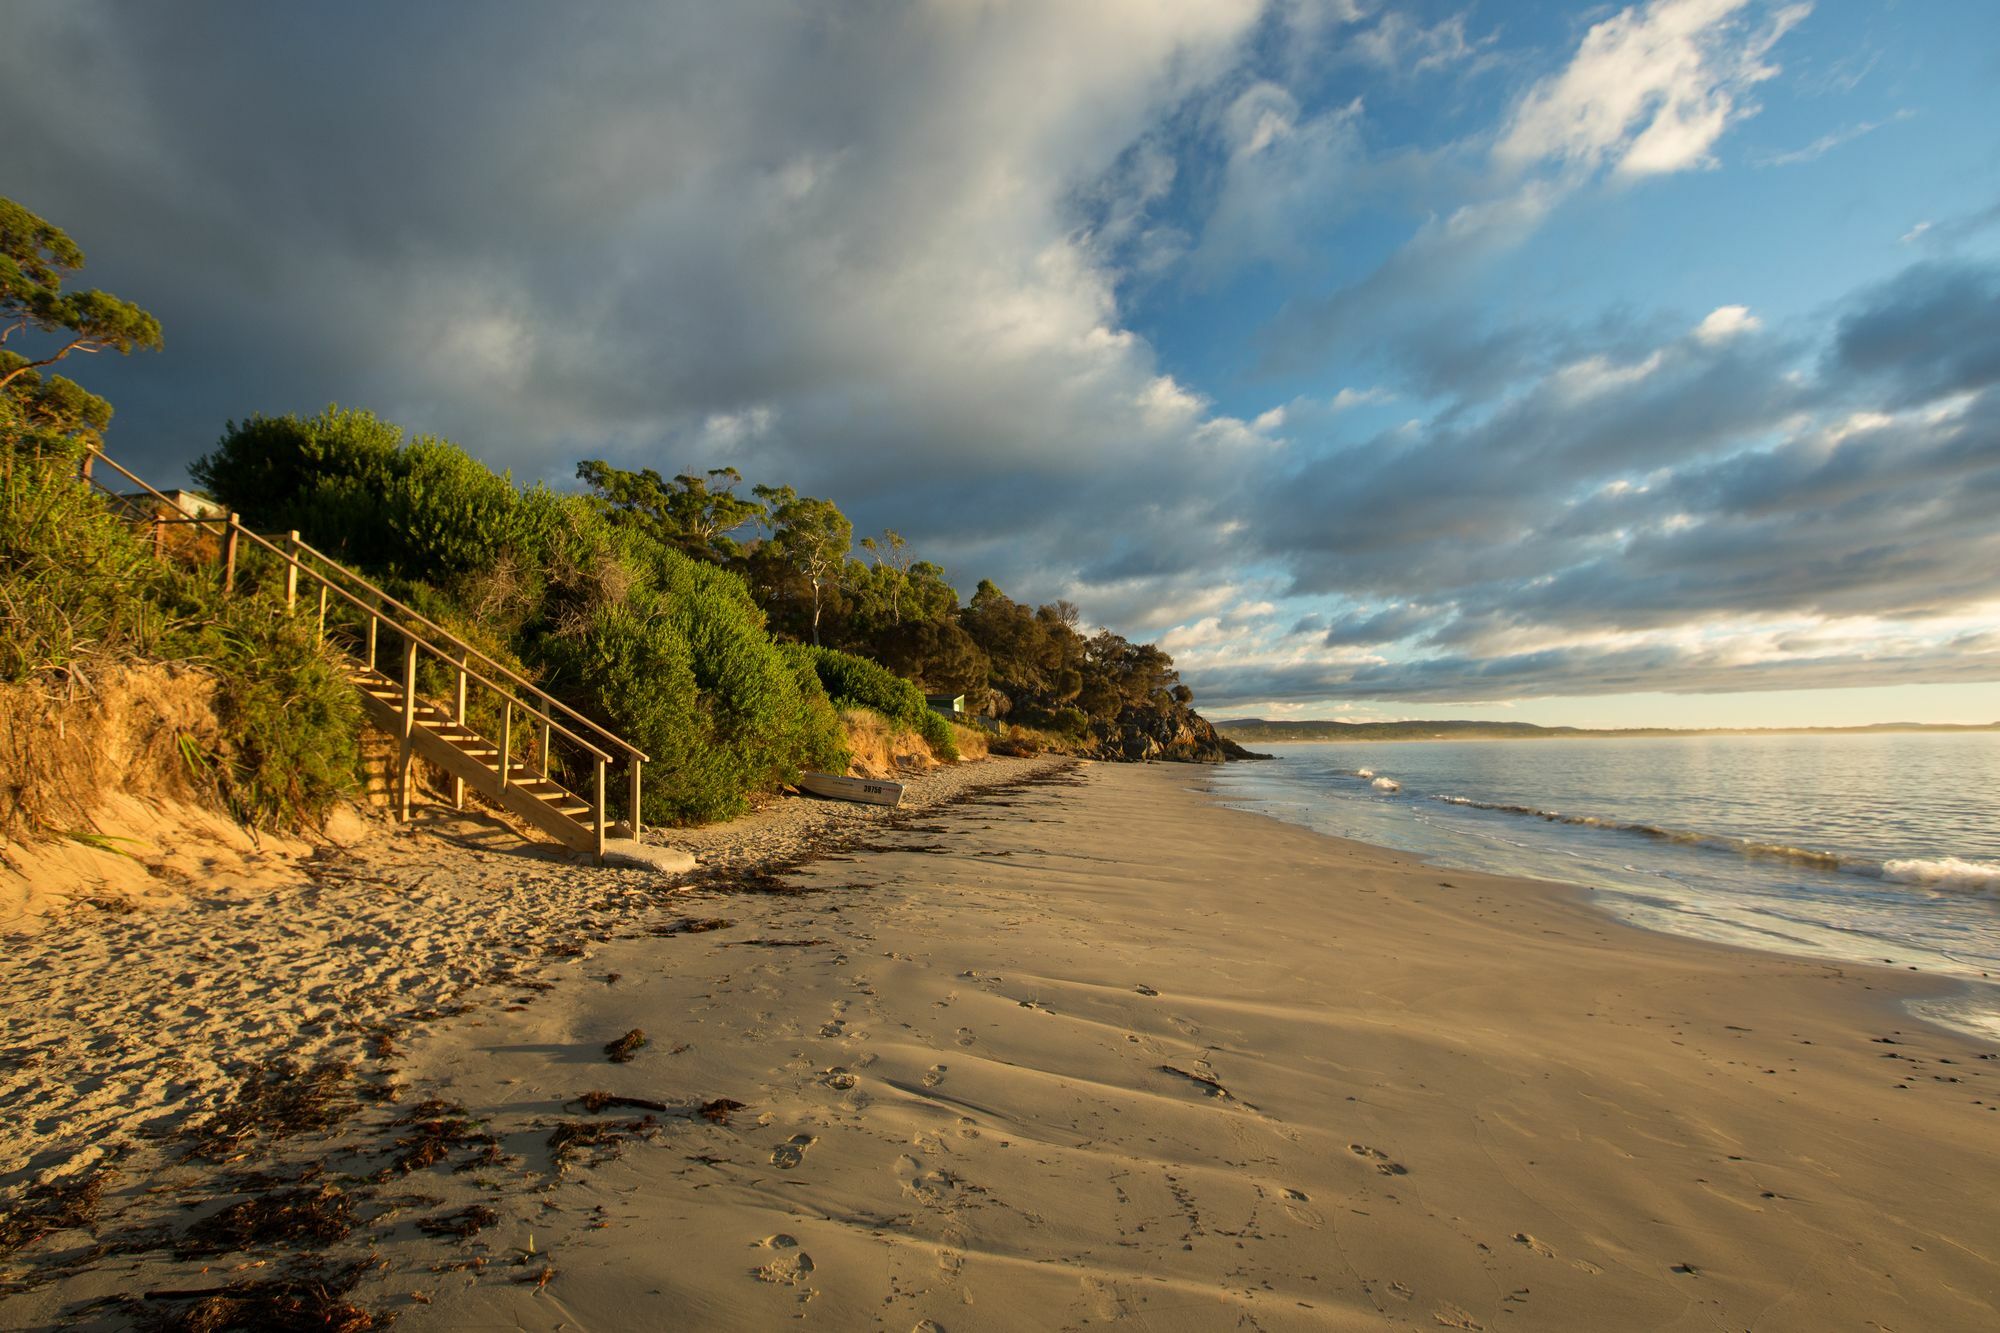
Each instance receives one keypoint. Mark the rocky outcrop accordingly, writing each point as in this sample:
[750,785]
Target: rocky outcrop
[1172,732]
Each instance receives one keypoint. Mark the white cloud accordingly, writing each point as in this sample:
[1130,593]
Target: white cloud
[1649,91]
[1403,45]
[1726,322]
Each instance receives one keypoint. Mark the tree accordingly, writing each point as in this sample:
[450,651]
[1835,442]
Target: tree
[892,553]
[694,514]
[811,536]
[35,260]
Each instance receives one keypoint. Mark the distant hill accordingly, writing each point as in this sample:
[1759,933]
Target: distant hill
[1256,730]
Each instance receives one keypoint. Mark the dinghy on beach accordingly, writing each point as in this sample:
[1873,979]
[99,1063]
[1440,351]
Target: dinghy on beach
[871,791]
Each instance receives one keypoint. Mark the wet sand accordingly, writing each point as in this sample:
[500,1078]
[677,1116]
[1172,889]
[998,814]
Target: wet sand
[1099,1050]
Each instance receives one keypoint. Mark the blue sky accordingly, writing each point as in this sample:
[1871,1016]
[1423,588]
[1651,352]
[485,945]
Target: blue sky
[1588,364]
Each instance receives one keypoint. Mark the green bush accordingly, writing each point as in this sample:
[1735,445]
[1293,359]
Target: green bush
[290,719]
[84,593]
[678,663]
[74,576]
[852,681]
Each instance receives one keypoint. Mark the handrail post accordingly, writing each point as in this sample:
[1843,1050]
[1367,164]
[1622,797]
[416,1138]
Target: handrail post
[548,769]
[374,623]
[458,719]
[599,766]
[322,610]
[229,555]
[292,570]
[637,828]
[408,754]
[506,741]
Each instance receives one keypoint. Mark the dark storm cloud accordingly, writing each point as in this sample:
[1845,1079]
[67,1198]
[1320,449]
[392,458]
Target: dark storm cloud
[831,247]
[1932,330]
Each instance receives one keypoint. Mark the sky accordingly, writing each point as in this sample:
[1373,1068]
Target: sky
[1579,364]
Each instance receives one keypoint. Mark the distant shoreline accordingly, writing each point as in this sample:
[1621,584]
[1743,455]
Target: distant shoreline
[1260,731]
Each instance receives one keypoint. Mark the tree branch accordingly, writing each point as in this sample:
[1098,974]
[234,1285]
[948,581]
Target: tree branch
[75,345]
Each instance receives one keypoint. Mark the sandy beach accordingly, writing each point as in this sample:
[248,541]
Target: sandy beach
[1080,1048]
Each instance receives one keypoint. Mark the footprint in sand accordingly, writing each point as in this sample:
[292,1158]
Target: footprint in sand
[1523,1238]
[1379,1158]
[1452,1317]
[792,1151]
[965,1037]
[838,1079]
[1294,1204]
[790,1266]
[934,1075]
[833,1027]
[968,1128]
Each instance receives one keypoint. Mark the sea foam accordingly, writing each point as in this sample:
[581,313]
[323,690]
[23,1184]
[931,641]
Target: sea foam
[1386,784]
[1950,873]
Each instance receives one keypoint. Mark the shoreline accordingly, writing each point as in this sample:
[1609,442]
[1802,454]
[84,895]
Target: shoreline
[1095,1046]
[1943,988]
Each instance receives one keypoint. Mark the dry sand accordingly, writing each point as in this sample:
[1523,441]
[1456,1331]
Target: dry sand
[1087,1051]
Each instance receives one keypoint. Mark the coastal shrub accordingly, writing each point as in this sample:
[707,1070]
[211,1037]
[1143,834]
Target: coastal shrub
[669,653]
[938,733]
[681,667]
[291,723]
[852,681]
[85,596]
[73,574]
[447,513]
[327,476]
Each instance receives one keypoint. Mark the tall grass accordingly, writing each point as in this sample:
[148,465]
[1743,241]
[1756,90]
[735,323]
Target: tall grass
[83,595]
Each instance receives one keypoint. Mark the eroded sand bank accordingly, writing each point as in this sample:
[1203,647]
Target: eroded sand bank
[1097,1049]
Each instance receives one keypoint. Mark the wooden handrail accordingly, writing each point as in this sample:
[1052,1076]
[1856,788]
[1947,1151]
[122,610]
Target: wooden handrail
[230,528]
[229,521]
[496,665]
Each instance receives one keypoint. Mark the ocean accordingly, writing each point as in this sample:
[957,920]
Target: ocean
[1877,848]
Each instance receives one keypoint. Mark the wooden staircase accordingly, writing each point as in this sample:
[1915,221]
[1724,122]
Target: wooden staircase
[522,771]
[473,761]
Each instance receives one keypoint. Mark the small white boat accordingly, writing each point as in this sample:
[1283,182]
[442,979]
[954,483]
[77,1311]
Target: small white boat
[871,791]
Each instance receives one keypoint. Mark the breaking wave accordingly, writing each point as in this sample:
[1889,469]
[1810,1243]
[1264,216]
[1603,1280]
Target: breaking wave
[1949,874]
[1386,784]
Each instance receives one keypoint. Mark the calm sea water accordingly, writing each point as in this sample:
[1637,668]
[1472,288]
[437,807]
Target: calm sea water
[1880,848]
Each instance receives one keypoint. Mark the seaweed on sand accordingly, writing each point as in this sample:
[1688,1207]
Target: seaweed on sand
[622,1050]
[309,1299]
[465,1222]
[436,1129]
[292,1218]
[572,1138]
[278,1101]
[49,1207]
[593,1102]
